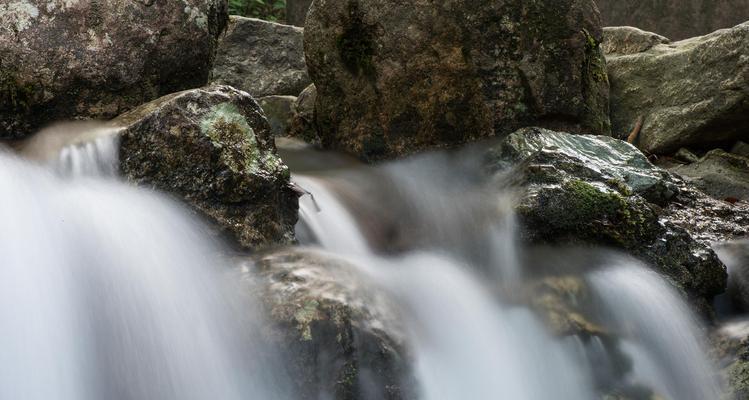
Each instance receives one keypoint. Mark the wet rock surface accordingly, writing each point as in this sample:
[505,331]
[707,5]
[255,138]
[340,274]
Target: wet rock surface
[213,148]
[682,102]
[720,174]
[343,336]
[71,59]
[676,19]
[602,191]
[261,57]
[394,79]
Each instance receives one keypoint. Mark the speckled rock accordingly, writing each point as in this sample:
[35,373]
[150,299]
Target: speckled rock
[303,125]
[598,190]
[343,336]
[261,57]
[731,348]
[623,40]
[676,19]
[278,111]
[213,148]
[76,59]
[692,93]
[395,77]
[720,174]
[296,11]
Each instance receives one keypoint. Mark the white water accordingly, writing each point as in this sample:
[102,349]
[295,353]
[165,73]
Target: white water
[467,342]
[111,292]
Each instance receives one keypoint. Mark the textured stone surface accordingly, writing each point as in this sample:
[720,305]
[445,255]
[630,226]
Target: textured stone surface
[278,111]
[296,11]
[623,40]
[396,77]
[690,93]
[303,125]
[261,57]
[599,190]
[213,148]
[344,337]
[76,59]
[676,19]
[720,174]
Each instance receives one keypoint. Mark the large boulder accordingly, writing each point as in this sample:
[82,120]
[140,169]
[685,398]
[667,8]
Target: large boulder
[689,93]
[279,112]
[261,57]
[343,336]
[584,190]
[720,174]
[213,148]
[397,77]
[677,19]
[72,59]
[303,119]
[296,11]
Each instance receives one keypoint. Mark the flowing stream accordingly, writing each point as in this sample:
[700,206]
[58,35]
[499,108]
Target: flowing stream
[442,241]
[112,292]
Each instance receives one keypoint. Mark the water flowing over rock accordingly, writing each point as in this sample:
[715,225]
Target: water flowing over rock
[394,78]
[343,337]
[262,58]
[63,59]
[676,19]
[213,148]
[600,190]
[689,93]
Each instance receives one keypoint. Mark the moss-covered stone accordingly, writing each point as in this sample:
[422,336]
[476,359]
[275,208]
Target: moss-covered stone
[213,147]
[601,191]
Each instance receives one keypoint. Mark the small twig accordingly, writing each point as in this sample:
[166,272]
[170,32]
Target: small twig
[300,191]
[636,131]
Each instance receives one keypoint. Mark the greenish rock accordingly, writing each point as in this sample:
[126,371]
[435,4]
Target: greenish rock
[677,19]
[213,148]
[686,156]
[693,93]
[720,174]
[343,337]
[95,59]
[278,111]
[261,57]
[394,78]
[594,190]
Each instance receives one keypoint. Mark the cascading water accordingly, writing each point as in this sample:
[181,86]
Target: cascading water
[111,292]
[455,273]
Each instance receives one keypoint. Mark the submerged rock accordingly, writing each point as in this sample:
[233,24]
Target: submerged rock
[731,348]
[261,57]
[693,93]
[394,78]
[213,148]
[677,19]
[343,337]
[602,191]
[720,174]
[63,59]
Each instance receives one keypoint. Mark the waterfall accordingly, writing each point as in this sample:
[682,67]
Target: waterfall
[458,280]
[112,292]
